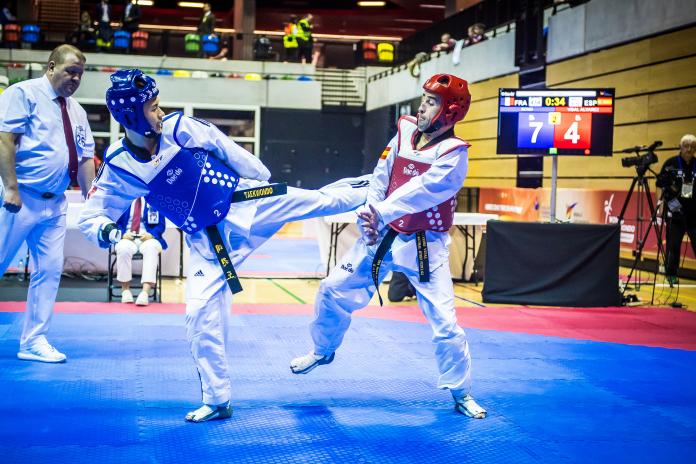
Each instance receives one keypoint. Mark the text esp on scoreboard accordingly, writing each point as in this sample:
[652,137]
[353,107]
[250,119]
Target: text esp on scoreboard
[549,120]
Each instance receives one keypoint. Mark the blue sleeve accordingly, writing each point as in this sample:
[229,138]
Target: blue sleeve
[15,110]
[122,222]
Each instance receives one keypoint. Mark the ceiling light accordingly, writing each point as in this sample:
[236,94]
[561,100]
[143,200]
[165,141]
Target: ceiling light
[222,30]
[371,3]
[190,4]
[422,21]
[430,5]
[145,2]
[405,29]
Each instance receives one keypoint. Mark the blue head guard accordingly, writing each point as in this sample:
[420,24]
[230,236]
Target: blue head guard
[129,91]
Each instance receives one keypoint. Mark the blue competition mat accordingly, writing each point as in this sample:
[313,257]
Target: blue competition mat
[282,257]
[129,381]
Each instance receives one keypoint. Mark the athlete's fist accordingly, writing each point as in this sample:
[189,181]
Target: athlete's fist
[11,200]
[109,233]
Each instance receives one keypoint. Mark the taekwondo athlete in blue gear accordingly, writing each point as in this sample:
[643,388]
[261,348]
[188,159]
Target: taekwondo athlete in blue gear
[195,176]
[411,200]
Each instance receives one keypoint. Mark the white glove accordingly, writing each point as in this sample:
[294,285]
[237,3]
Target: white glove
[109,233]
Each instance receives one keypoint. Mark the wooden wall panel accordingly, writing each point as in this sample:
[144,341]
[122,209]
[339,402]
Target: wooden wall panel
[482,109]
[655,81]
[665,47]
[671,104]
[643,134]
[658,77]
[481,129]
[483,148]
[489,88]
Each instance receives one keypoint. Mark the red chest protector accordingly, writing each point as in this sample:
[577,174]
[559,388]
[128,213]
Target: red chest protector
[409,163]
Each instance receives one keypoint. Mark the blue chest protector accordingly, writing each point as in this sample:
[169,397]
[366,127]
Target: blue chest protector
[194,190]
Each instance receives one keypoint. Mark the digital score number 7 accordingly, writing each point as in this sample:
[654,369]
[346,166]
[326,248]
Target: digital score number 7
[534,131]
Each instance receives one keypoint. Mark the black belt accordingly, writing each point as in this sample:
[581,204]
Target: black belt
[48,195]
[256,193]
[270,190]
[385,245]
[224,259]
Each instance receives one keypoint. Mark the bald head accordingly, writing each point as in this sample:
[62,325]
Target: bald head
[62,52]
[687,146]
[64,71]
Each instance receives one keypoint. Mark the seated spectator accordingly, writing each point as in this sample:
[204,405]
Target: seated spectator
[476,34]
[6,15]
[85,35]
[414,65]
[262,48]
[225,48]
[446,44]
[142,230]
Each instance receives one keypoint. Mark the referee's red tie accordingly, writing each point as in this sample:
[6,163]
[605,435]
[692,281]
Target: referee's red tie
[70,141]
[137,212]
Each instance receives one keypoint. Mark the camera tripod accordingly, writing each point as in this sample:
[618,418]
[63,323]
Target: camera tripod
[641,181]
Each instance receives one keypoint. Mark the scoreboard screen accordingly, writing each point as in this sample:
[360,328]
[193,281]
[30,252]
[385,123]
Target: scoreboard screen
[556,122]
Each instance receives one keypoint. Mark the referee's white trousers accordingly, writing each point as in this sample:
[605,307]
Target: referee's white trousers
[41,222]
[208,298]
[125,249]
[349,287]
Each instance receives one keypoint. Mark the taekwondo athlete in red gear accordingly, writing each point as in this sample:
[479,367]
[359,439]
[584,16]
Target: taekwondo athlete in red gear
[194,175]
[410,207]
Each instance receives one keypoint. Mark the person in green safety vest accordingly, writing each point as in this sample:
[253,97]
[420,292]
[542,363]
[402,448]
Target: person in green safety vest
[304,38]
[290,44]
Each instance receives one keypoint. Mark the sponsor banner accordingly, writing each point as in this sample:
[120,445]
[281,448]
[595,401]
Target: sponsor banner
[511,204]
[582,206]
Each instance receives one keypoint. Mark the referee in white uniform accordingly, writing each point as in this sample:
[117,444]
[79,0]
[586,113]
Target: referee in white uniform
[45,146]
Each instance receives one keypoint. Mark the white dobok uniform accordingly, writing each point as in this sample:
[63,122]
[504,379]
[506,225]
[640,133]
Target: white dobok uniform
[195,153]
[30,110]
[413,190]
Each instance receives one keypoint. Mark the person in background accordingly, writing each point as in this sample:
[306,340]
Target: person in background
[225,47]
[305,41]
[103,17]
[131,17]
[45,146]
[142,228]
[290,45]
[400,288]
[84,35]
[263,49]
[677,178]
[476,34]
[206,26]
[446,44]
[6,15]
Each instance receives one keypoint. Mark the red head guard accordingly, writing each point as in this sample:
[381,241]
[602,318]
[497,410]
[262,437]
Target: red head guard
[455,96]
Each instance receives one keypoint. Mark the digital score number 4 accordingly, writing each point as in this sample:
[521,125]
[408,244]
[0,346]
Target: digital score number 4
[573,130]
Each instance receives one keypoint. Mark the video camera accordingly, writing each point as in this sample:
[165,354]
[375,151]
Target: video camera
[641,161]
